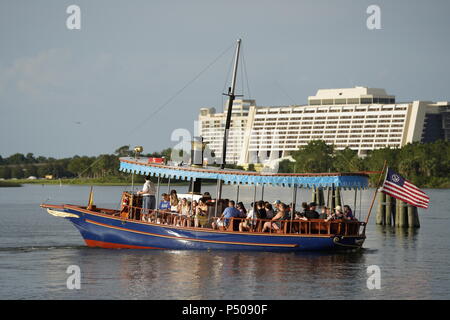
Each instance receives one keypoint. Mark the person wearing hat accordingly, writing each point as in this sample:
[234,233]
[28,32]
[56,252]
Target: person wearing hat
[311,213]
[275,206]
[339,214]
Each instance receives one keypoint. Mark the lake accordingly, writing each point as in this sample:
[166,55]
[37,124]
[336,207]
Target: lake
[36,249]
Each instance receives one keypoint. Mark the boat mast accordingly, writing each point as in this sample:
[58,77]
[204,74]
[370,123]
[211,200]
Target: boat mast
[231,98]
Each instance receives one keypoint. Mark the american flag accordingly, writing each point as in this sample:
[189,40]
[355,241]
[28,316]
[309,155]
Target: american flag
[400,188]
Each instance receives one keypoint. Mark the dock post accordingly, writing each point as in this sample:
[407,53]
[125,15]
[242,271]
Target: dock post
[381,209]
[389,209]
[413,217]
[401,215]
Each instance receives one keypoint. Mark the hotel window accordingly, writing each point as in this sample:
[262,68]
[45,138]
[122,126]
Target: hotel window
[340,101]
[353,101]
[314,102]
[327,101]
[366,100]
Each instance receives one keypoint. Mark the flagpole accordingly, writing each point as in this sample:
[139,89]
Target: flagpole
[375,194]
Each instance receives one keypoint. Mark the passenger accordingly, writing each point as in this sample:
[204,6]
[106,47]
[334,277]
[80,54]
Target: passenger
[269,210]
[275,206]
[190,215]
[183,211]
[240,206]
[339,214]
[148,195]
[229,212]
[261,210]
[275,223]
[164,204]
[207,196]
[250,221]
[323,214]
[194,205]
[173,201]
[305,208]
[348,214]
[312,213]
[201,213]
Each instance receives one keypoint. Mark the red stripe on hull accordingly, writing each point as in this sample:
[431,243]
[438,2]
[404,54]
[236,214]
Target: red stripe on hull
[110,245]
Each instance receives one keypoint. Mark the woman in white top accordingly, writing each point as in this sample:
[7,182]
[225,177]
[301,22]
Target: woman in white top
[173,201]
[250,220]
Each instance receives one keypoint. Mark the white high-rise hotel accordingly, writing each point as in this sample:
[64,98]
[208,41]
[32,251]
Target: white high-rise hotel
[359,118]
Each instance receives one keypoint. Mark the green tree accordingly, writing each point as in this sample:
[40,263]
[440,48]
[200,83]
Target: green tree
[124,151]
[5,172]
[315,157]
[81,166]
[347,160]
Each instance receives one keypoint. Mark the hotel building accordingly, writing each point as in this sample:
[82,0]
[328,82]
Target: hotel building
[360,118]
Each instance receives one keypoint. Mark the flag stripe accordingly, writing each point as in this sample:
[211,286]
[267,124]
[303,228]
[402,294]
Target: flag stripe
[398,194]
[413,187]
[404,194]
[404,200]
[407,191]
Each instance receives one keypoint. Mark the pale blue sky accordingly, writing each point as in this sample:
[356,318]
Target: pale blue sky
[65,92]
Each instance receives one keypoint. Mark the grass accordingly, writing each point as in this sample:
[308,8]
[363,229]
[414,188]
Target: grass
[6,184]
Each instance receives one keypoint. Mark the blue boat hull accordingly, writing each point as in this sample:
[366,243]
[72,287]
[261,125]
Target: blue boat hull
[100,230]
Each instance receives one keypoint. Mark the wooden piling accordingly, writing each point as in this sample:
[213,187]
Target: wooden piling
[381,209]
[401,215]
[389,210]
[413,217]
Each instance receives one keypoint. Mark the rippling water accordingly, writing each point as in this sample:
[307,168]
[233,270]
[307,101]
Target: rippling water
[36,250]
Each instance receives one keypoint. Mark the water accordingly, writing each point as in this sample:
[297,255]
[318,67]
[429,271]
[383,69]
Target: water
[36,249]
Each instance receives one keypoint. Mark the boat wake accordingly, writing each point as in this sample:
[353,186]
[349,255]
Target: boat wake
[39,248]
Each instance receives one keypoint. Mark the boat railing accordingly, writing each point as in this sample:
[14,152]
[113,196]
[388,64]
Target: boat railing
[248,225]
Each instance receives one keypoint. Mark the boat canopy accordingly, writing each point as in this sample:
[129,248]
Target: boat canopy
[241,177]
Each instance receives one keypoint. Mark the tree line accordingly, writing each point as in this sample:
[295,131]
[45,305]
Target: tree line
[22,166]
[424,164]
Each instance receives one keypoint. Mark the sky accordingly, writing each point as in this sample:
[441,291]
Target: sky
[138,70]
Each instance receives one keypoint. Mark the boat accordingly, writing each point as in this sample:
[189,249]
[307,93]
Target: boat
[133,227]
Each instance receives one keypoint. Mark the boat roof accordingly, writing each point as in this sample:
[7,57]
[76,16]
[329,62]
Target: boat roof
[359,180]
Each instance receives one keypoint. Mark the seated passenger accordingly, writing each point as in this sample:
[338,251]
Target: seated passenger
[207,196]
[250,221]
[275,223]
[183,211]
[275,206]
[337,215]
[243,212]
[173,201]
[323,214]
[164,204]
[261,210]
[269,210]
[229,212]
[348,214]
[312,213]
[201,213]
